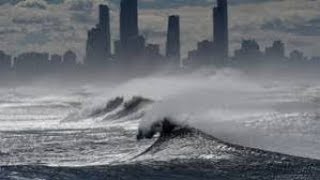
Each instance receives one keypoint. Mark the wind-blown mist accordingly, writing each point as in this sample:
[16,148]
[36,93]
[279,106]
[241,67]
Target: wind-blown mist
[96,123]
[262,113]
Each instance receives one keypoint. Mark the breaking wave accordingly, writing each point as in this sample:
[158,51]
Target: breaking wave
[115,109]
[182,152]
[277,116]
[183,142]
[199,126]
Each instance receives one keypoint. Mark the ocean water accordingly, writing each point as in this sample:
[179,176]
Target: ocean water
[227,125]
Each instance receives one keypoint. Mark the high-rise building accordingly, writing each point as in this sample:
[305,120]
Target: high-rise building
[69,58]
[99,39]
[173,38]
[276,51]
[220,29]
[5,61]
[104,24]
[202,56]
[129,30]
[296,56]
[31,63]
[249,54]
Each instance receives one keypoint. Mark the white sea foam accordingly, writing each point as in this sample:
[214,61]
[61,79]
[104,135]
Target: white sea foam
[261,113]
[271,114]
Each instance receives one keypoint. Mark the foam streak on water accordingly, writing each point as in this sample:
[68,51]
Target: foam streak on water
[79,127]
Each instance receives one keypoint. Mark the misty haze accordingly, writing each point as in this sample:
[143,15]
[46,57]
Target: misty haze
[128,89]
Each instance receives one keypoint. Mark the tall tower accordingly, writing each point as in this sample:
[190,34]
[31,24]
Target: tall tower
[104,24]
[220,29]
[129,29]
[99,39]
[173,38]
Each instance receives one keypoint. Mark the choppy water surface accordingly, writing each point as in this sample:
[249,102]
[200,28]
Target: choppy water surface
[230,127]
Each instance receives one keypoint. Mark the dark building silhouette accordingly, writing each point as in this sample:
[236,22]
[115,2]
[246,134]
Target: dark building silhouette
[99,39]
[32,63]
[130,40]
[117,49]
[173,39]
[296,56]
[128,20]
[202,56]
[55,63]
[69,59]
[5,62]
[276,51]
[56,59]
[137,45]
[205,51]
[220,30]
[69,63]
[153,58]
[153,50]
[315,62]
[214,52]
[315,59]
[133,55]
[249,54]
[298,61]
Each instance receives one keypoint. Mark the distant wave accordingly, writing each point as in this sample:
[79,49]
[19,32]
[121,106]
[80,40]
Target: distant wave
[130,107]
[114,109]
[111,106]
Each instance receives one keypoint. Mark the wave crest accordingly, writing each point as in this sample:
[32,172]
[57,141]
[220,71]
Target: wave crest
[114,109]
[185,142]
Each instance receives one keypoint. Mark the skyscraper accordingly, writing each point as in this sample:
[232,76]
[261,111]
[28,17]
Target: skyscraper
[173,38]
[5,62]
[99,39]
[220,29]
[104,24]
[276,51]
[129,30]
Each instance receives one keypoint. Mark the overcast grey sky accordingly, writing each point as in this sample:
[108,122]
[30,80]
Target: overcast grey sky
[57,25]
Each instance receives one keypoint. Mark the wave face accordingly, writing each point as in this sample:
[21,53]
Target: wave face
[279,116]
[182,142]
[185,153]
[197,126]
[68,134]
